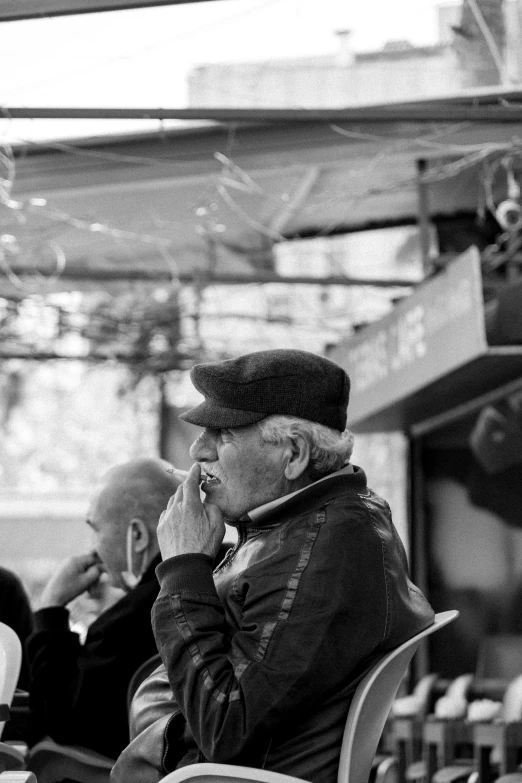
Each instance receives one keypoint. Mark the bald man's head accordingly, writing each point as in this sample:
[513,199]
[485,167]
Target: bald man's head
[130,496]
[141,488]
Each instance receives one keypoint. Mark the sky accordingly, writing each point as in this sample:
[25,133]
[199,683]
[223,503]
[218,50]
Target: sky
[140,57]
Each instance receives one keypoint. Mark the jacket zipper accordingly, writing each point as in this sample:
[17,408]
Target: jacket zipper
[230,555]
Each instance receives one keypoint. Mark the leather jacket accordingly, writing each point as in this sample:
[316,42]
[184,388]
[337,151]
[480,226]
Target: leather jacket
[263,656]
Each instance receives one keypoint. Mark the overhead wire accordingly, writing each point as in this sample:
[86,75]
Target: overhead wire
[447,170]
[240,176]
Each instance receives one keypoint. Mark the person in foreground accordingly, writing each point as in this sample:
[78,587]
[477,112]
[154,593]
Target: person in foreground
[78,692]
[15,611]
[263,656]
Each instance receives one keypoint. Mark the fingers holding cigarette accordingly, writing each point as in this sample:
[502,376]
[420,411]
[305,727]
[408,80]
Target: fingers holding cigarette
[181,475]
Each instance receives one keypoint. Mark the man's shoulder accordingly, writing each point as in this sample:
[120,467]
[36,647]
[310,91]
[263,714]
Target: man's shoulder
[13,598]
[346,505]
[10,580]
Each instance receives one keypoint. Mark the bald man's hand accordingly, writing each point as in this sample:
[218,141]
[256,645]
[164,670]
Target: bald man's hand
[74,577]
[188,526]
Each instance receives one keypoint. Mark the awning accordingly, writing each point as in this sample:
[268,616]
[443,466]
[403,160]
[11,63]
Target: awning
[14,10]
[428,357]
[461,391]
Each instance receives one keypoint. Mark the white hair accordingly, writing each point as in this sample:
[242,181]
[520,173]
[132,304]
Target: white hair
[330,450]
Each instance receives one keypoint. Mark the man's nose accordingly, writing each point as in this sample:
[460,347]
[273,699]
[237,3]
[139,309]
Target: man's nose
[204,448]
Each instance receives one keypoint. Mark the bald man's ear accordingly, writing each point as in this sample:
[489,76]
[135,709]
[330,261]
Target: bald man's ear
[298,457]
[140,534]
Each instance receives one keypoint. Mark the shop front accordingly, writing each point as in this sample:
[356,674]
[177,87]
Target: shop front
[447,371]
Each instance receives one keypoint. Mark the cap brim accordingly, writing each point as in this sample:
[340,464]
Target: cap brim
[208,414]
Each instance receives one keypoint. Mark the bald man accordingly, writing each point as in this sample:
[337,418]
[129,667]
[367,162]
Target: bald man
[78,692]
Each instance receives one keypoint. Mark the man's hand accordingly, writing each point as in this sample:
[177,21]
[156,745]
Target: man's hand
[188,526]
[72,579]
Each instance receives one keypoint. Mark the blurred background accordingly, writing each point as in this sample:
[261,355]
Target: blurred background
[188,181]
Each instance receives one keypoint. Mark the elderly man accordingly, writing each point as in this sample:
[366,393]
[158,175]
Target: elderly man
[263,656]
[78,692]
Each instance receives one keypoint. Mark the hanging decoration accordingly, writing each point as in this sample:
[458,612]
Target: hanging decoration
[138,328]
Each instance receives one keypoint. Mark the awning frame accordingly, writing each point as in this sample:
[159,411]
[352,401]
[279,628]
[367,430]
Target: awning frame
[469,408]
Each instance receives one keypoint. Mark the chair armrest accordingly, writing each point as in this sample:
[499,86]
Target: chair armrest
[11,757]
[226,773]
[453,774]
[416,771]
[387,769]
[53,762]
[17,777]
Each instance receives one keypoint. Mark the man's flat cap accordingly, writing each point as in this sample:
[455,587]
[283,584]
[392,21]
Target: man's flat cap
[242,391]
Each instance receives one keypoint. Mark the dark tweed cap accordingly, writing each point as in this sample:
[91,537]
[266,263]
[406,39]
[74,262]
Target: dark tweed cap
[247,389]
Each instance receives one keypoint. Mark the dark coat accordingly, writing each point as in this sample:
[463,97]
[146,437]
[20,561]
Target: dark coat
[79,693]
[264,656]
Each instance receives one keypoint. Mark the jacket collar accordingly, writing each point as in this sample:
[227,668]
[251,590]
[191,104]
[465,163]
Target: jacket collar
[348,479]
[260,512]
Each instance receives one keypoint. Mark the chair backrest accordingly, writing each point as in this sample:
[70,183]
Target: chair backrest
[141,674]
[10,663]
[372,702]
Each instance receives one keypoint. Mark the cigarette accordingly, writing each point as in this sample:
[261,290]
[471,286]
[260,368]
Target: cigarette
[182,473]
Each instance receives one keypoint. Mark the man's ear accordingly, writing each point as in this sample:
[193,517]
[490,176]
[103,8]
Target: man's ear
[299,457]
[140,534]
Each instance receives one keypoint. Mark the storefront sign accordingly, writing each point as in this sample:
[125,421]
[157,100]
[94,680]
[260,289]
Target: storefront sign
[437,329]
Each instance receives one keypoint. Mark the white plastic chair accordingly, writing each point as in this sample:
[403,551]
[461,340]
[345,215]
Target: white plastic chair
[10,663]
[366,718]
[11,757]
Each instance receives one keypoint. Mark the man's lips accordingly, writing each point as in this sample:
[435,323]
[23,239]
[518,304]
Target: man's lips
[208,478]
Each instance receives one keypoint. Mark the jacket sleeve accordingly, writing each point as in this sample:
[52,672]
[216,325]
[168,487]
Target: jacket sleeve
[307,623]
[53,652]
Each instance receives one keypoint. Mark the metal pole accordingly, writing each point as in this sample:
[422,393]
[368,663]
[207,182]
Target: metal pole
[423,216]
